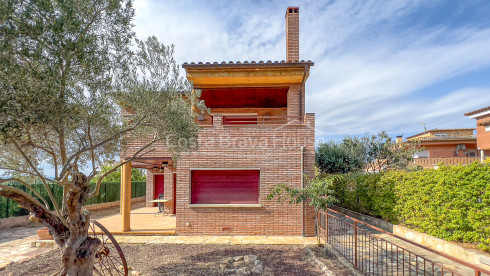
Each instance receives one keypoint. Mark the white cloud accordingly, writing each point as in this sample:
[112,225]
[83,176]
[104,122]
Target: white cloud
[370,73]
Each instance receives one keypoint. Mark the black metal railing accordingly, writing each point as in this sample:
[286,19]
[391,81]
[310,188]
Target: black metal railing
[374,251]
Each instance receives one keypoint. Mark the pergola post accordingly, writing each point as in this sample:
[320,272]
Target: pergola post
[126,196]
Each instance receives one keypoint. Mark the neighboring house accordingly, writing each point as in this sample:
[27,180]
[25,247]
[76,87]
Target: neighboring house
[257,135]
[482,117]
[446,143]
[455,146]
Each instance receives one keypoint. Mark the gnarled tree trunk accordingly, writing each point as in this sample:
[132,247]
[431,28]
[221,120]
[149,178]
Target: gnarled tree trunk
[78,250]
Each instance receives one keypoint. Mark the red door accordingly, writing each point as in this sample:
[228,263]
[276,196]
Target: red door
[158,185]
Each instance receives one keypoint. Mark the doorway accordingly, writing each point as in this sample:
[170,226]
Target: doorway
[158,185]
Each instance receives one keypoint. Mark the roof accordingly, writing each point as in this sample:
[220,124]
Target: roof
[477,111]
[447,139]
[486,123]
[247,74]
[439,130]
[239,64]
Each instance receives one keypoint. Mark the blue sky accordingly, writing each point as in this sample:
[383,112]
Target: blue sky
[379,65]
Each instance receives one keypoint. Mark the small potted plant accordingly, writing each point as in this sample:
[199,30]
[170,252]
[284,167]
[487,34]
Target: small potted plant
[44,234]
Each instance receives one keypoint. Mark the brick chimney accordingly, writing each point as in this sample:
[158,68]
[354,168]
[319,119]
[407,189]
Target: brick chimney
[292,34]
[399,139]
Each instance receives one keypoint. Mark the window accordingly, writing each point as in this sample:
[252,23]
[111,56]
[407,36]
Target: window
[225,186]
[440,135]
[240,119]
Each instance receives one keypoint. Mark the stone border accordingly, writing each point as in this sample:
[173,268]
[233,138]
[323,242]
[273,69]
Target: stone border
[24,220]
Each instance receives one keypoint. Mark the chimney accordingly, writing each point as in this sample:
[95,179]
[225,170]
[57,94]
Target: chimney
[399,139]
[292,34]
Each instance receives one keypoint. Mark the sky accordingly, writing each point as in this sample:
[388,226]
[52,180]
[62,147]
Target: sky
[379,65]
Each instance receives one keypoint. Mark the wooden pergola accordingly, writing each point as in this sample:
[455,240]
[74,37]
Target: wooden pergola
[143,163]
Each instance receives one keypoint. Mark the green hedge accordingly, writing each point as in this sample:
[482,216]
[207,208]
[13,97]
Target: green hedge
[451,202]
[109,191]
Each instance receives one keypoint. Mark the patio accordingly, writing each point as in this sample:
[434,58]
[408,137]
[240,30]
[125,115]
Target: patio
[143,222]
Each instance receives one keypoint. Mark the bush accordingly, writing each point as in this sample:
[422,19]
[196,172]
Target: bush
[452,202]
[333,158]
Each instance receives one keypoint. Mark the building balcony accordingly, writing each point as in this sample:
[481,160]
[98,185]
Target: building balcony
[251,120]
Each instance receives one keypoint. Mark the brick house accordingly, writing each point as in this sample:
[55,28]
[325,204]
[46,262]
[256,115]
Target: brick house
[445,143]
[256,135]
[482,117]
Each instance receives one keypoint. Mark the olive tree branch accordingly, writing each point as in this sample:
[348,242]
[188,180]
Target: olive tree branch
[99,181]
[29,187]
[46,186]
[112,138]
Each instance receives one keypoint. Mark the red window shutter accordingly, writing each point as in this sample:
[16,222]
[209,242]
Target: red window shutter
[225,186]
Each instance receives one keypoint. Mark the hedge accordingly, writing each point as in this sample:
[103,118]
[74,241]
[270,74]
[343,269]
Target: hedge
[451,202]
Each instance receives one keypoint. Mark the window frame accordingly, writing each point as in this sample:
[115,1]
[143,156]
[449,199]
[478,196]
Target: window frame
[224,205]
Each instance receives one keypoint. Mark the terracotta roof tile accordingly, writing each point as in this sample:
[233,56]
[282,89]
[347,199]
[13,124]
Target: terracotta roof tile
[439,130]
[477,111]
[240,63]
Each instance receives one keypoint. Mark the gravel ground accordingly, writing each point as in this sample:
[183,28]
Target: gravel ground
[170,259]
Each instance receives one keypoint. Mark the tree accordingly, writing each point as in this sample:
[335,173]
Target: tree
[382,153]
[136,174]
[372,153]
[67,67]
[333,157]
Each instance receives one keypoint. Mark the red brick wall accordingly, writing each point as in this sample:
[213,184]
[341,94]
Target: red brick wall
[294,101]
[278,161]
[483,136]
[292,34]
[149,188]
[169,190]
[448,150]
[274,149]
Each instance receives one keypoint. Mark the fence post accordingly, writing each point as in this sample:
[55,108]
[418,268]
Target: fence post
[326,226]
[355,244]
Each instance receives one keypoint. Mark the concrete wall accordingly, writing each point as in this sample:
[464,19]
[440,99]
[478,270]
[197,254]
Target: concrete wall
[472,256]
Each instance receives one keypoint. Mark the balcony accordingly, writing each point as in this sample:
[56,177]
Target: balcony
[236,120]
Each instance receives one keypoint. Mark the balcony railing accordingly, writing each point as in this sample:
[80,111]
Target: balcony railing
[450,161]
[261,120]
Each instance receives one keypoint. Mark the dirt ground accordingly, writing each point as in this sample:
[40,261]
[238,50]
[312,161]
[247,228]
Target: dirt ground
[327,257]
[168,259]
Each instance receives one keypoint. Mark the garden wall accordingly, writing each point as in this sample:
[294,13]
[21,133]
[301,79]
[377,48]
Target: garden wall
[24,220]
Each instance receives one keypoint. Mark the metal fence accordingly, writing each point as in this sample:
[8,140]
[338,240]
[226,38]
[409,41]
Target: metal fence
[373,251]
[109,191]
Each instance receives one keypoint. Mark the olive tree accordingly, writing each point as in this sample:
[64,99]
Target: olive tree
[67,69]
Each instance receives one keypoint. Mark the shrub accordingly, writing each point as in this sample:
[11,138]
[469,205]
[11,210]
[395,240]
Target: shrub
[333,158]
